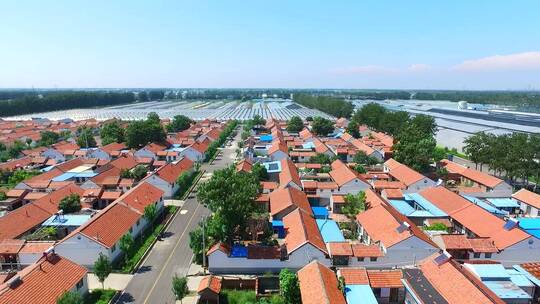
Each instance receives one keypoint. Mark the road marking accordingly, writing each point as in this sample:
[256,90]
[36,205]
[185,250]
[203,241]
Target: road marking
[183,211]
[171,254]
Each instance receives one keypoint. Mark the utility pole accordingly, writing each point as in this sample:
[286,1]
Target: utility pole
[203,246]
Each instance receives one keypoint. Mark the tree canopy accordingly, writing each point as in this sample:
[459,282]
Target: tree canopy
[141,132]
[86,138]
[289,287]
[334,106]
[70,203]
[102,268]
[416,143]
[70,297]
[179,123]
[48,138]
[322,126]
[112,132]
[354,204]
[295,124]
[353,129]
[179,287]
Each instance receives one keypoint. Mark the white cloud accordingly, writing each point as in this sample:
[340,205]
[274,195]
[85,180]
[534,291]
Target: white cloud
[419,67]
[366,69]
[518,61]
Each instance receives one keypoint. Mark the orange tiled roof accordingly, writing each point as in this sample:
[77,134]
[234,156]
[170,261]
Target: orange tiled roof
[363,250]
[43,282]
[210,282]
[302,228]
[385,278]
[403,173]
[288,173]
[472,174]
[318,284]
[171,171]
[284,198]
[354,276]
[451,283]
[528,197]
[141,196]
[339,249]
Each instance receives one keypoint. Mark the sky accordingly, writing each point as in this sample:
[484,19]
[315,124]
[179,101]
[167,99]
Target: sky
[358,44]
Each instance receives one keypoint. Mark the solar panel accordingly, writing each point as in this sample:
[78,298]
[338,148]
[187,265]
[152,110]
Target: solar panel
[442,258]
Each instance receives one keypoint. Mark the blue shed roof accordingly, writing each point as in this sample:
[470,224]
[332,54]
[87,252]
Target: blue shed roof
[489,208]
[503,202]
[529,222]
[276,223]
[402,206]
[427,205]
[330,231]
[359,294]
[507,290]
[74,220]
[239,251]
[320,211]
[272,167]
[266,138]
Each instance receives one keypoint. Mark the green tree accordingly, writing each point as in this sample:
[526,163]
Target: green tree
[295,124]
[354,204]
[416,143]
[361,158]
[231,197]
[112,133]
[179,123]
[70,297]
[139,172]
[14,178]
[150,214]
[393,122]
[289,286]
[126,244]
[179,287]
[141,132]
[259,171]
[102,268]
[86,138]
[3,195]
[48,138]
[360,169]
[70,203]
[322,126]
[15,149]
[353,129]
[320,158]
[142,96]
[371,115]
[258,120]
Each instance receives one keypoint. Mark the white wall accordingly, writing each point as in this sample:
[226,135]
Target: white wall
[420,185]
[533,212]
[82,250]
[219,262]
[145,153]
[353,187]
[192,154]
[158,182]
[99,154]
[278,155]
[53,154]
[518,253]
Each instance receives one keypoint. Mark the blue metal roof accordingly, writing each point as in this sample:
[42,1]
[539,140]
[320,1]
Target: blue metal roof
[272,167]
[308,145]
[503,202]
[529,222]
[266,138]
[519,279]
[330,231]
[529,276]
[276,223]
[359,294]
[402,206]
[489,208]
[320,211]
[427,205]
[74,220]
[490,271]
[507,290]
[69,175]
[239,251]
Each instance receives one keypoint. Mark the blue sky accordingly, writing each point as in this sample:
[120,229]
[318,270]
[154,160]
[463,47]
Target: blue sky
[281,43]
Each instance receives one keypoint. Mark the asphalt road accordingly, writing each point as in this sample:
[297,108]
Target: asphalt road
[152,282]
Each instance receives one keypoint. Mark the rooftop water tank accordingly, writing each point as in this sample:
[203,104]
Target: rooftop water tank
[462,105]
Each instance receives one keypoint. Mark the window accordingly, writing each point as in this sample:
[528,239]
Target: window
[138,222]
[373,259]
[488,255]
[113,248]
[80,284]
[130,230]
[476,255]
[360,259]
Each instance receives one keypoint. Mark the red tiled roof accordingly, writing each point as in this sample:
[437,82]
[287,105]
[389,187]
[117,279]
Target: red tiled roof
[221,247]
[302,228]
[43,282]
[451,283]
[528,197]
[532,268]
[393,193]
[288,173]
[363,250]
[109,225]
[171,171]
[141,196]
[244,165]
[319,285]
[385,278]
[341,174]
[210,282]
[114,147]
[339,249]
[403,173]
[10,246]
[285,198]
[125,162]
[473,217]
[354,276]
[471,174]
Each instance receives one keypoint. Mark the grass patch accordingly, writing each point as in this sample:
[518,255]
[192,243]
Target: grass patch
[230,296]
[99,296]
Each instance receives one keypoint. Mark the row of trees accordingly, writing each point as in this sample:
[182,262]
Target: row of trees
[337,107]
[141,132]
[379,118]
[513,155]
[62,101]
[483,97]
[150,95]
[213,147]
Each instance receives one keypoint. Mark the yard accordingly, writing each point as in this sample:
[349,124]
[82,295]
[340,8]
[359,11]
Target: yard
[230,296]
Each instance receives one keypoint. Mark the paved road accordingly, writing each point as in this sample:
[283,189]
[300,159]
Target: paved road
[152,282]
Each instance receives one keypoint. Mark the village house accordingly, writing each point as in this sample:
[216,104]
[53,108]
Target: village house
[412,180]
